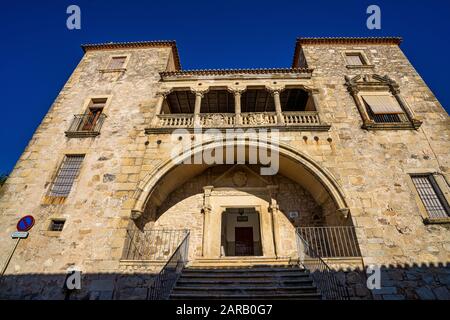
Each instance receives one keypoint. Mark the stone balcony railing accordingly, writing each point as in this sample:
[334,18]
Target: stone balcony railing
[289,121]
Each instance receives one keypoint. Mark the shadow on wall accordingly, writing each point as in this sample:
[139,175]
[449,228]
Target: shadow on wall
[425,281]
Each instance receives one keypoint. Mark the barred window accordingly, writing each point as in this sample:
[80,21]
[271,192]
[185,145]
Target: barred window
[57,225]
[66,176]
[92,115]
[117,63]
[354,59]
[383,108]
[431,196]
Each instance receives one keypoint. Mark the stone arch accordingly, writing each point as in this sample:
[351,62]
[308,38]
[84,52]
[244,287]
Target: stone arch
[294,164]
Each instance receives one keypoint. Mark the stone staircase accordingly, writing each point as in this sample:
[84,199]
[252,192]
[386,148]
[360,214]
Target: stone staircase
[257,282]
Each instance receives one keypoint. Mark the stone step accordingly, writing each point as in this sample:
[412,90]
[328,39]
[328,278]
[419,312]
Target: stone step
[242,281]
[239,282]
[285,296]
[242,275]
[244,270]
[244,290]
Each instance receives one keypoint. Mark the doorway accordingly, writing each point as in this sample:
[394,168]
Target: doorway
[241,234]
[243,245]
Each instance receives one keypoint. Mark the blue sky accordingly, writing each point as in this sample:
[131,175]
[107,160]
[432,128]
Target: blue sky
[39,53]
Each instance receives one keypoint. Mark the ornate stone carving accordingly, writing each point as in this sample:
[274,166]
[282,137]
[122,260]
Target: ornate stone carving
[258,119]
[240,179]
[136,214]
[215,120]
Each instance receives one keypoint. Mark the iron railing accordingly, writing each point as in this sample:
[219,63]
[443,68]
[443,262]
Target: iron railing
[246,119]
[388,118]
[324,277]
[88,124]
[154,244]
[332,242]
[164,282]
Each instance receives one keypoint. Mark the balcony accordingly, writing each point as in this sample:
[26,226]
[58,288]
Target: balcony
[290,121]
[287,109]
[85,125]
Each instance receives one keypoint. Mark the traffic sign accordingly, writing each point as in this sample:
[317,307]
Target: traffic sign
[25,223]
[19,235]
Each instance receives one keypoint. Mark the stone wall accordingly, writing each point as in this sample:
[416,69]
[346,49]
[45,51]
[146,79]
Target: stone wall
[98,208]
[370,167]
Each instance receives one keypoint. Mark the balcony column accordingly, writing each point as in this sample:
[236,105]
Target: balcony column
[199,94]
[237,92]
[159,104]
[313,94]
[275,92]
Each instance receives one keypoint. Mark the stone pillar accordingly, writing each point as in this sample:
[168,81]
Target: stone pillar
[314,96]
[273,209]
[237,106]
[275,92]
[198,104]
[159,104]
[266,225]
[206,211]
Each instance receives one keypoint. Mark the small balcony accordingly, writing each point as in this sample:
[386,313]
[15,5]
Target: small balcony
[85,125]
[287,109]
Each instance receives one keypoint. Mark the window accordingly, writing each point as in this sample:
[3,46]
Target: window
[117,63]
[57,225]
[431,196]
[66,176]
[355,59]
[383,108]
[92,115]
[380,103]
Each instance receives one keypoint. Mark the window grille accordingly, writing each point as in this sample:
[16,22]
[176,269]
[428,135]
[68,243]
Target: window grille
[66,176]
[117,63]
[431,196]
[355,60]
[57,225]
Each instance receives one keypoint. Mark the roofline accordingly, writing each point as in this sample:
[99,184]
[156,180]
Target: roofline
[342,40]
[186,74]
[204,72]
[139,44]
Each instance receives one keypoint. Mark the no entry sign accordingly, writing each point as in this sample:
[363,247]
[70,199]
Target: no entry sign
[25,223]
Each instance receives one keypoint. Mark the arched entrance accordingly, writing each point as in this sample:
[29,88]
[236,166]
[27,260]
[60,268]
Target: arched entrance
[203,199]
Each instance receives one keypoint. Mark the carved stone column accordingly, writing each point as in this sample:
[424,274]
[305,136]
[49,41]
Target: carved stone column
[159,104]
[199,94]
[237,92]
[275,92]
[314,96]
[206,211]
[273,209]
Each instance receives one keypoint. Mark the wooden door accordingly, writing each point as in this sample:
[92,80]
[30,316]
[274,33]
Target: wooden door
[244,241]
[91,119]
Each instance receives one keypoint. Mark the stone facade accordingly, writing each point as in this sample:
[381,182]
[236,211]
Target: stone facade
[334,170]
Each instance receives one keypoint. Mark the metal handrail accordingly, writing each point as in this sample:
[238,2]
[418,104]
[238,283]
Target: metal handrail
[332,242]
[328,284]
[164,282]
[86,123]
[153,244]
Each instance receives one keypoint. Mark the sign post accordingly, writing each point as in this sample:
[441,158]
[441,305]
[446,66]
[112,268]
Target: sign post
[23,226]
